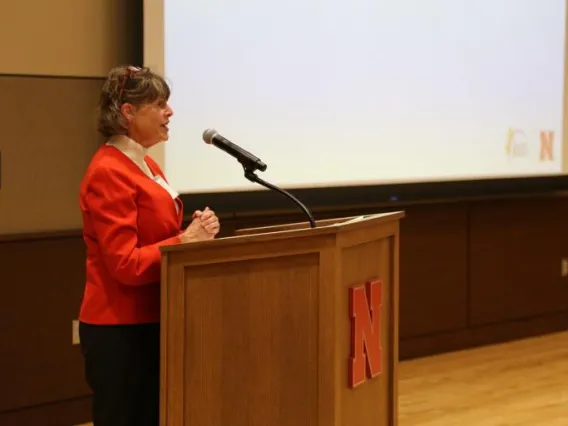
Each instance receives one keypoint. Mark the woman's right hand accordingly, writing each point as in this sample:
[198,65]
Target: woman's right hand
[194,232]
[205,226]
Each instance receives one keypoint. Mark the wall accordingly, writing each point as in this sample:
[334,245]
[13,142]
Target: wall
[481,272]
[54,57]
[50,76]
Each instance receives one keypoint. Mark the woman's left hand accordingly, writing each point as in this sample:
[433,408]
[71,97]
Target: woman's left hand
[209,221]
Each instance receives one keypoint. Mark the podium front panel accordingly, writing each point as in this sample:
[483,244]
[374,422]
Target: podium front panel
[249,348]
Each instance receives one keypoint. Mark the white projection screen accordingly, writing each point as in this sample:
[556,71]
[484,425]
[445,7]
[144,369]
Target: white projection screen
[367,92]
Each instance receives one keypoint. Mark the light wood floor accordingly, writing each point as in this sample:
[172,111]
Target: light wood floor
[522,383]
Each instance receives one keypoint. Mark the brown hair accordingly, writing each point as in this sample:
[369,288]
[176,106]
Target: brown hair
[127,84]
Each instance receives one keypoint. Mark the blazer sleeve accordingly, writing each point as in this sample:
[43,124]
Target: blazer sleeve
[111,200]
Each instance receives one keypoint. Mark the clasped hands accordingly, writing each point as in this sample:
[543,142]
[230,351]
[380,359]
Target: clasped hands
[204,226]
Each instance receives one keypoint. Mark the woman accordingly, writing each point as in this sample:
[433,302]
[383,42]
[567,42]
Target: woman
[129,211]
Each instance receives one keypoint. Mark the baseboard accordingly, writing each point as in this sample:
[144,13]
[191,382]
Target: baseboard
[484,335]
[60,413]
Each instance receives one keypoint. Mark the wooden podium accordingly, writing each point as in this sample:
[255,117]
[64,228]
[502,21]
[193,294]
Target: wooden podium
[283,326]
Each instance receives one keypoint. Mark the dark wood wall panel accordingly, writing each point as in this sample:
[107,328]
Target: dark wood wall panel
[433,270]
[472,273]
[61,413]
[515,259]
[42,282]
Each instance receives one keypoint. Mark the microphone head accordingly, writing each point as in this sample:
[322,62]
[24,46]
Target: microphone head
[208,135]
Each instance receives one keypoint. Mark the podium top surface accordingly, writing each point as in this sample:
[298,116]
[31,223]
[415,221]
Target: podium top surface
[293,230]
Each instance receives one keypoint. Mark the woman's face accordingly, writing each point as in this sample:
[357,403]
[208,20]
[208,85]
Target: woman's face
[148,124]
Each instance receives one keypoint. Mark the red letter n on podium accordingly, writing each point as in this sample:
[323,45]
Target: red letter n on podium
[365,311]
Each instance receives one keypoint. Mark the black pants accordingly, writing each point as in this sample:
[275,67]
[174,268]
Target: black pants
[122,368]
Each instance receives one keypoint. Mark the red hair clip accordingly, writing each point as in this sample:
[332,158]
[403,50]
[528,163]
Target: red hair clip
[130,72]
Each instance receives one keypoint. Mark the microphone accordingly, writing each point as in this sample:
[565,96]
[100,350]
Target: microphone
[249,161]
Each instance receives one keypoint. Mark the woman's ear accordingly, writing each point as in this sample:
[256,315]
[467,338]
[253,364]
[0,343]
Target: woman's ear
[127,111]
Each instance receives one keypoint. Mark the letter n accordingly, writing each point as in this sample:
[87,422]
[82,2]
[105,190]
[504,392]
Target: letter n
[365,311]
[546,146]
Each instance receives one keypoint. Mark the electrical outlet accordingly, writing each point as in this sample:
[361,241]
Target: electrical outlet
[564,267]
[75,332]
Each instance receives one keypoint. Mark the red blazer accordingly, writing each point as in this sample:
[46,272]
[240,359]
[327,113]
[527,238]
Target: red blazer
[126,216]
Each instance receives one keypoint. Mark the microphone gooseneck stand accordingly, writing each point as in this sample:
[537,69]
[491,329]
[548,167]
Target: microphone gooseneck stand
[250,175]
